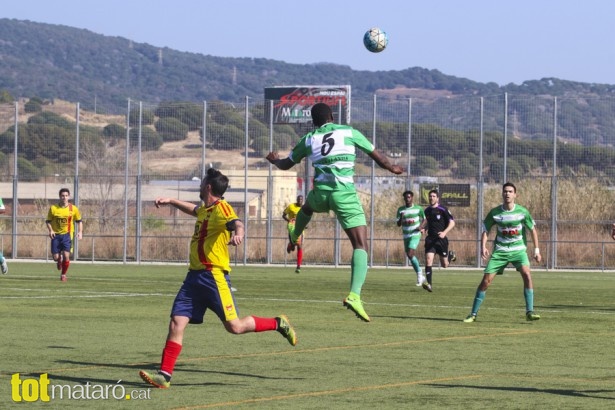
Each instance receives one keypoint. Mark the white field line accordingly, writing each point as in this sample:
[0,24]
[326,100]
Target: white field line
[67,293]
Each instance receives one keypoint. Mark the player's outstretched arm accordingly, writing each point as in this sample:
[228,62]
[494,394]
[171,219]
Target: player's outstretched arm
[383,162]
[283,164]
[186,207]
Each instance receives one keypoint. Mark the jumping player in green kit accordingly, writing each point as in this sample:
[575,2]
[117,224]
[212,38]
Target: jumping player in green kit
[331,148]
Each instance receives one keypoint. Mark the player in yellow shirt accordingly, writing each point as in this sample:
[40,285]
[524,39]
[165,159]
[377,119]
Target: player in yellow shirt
[207,284]
[289,215]
[61,221]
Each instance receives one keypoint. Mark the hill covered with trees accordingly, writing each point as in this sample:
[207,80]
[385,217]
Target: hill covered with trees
[41,62]
[54,61]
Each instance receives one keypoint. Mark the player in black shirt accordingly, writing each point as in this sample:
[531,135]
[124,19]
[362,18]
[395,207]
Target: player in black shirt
[438,223]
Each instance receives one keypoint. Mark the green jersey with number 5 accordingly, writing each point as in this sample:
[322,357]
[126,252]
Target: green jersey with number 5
[332,151]
[511,226]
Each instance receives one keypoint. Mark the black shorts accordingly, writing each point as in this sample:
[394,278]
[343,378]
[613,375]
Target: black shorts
[436,245]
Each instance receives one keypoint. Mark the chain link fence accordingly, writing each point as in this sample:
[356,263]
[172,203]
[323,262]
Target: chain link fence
[117,160]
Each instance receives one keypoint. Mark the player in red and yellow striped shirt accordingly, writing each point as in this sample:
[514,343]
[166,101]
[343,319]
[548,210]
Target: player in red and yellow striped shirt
[207,284]
[61,221]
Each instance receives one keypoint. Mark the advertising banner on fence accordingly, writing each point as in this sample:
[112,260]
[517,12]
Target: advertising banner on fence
[292,104]
[450,194]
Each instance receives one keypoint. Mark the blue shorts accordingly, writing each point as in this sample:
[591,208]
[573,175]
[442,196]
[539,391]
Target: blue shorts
[61,242]
[204,290]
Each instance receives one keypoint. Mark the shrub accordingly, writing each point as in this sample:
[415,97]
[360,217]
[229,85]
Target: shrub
[171,129]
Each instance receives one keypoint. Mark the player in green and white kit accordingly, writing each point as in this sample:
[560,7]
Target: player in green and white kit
[512,221]
[332,150]
[409,217]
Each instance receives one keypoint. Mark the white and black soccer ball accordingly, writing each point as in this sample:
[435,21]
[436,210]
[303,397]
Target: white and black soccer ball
[375,40]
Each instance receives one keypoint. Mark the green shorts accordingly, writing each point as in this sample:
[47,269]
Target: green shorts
[345,204]
[412,242]
[499,260]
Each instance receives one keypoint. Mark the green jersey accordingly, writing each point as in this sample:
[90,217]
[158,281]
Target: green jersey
[511,227]
[411,218]
[332,151]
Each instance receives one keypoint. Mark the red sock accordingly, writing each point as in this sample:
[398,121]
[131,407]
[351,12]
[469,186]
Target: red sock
[299,257]
[264,324]
[65,264]
[170,353]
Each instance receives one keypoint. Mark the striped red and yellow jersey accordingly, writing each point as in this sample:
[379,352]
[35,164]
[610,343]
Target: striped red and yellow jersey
[209,244]
[63,218]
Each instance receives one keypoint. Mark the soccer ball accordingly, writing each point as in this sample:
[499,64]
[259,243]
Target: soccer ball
[375,40]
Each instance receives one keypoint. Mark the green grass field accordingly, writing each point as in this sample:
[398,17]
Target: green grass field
[109,321]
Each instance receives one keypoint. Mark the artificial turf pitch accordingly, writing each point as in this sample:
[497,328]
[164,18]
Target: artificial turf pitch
[97,330]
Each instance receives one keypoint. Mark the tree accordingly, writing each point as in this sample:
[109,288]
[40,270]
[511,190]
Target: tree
[171,129]
[6,97]
[190,114]
[34,104]
[150,139]
[114,131]
[27,171]
[426,165]
[147,117]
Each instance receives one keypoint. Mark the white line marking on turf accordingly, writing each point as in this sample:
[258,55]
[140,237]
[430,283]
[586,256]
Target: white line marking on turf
[90,295]
[101,294]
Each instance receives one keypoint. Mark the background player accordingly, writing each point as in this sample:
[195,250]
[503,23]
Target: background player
[409,217]
[438,223]
[60,222]
[509,246]
[289,215]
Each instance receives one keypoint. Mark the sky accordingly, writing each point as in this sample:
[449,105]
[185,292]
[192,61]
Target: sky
[482,40]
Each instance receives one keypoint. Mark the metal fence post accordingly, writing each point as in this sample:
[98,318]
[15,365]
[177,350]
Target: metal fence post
[139,186]
[15,183]
[76,181]
[480,187]
[126,180]
[269,228]
[245,179]
[554,190]
[372,193]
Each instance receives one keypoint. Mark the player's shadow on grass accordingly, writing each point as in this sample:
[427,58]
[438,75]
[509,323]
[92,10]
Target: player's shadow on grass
[594,394]
[56,379]
[578,307]
[441,319]
[180,366]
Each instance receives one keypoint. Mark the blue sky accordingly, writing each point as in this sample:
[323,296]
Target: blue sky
[482,40]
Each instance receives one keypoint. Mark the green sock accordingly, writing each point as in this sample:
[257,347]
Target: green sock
[301,222]
[528,294]
[358,270]
[415,264]
[478,300]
